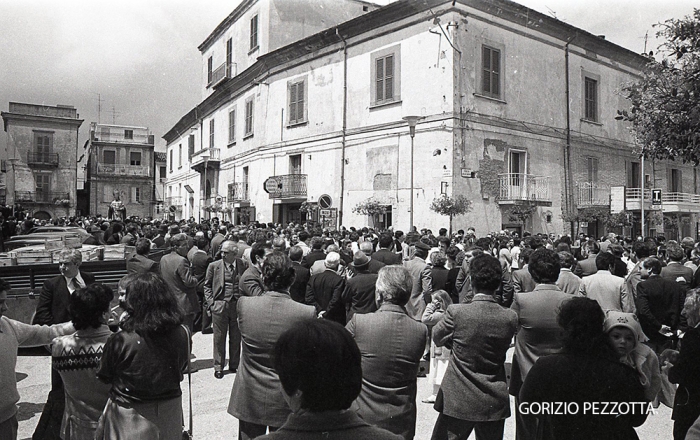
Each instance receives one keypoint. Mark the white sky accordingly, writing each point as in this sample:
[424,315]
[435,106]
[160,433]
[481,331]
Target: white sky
[142,57]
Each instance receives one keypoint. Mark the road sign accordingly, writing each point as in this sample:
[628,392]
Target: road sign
[272,185]
[655,196]
[325,201]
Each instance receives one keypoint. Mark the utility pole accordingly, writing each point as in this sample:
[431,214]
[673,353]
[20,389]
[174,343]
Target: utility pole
[114,115]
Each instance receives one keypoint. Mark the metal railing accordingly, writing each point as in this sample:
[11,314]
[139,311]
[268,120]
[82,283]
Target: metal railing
[48,159]
[239,192]
[124,170]
[636,194]
[119,137]
[676,197]
[287,186]
[42,197]
[220,73]
[214,155]
[519,186]
[590,194]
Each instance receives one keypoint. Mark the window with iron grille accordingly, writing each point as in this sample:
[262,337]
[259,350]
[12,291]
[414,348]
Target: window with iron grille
[297,101]
[254,32]
[590,99]
[491,72]
[232,126]
[249,117]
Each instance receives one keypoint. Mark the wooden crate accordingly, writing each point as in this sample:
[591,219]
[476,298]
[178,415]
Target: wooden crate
[33,256]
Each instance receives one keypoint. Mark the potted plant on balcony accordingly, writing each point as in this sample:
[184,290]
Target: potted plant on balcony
[62,202]
[372,208]
[451,206]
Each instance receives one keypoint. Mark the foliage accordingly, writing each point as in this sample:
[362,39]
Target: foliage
[370,207]
[307,207]
[665,103]
[215,207]
[621,219]
[62,202]
[655,218]
[522,212]
[591,214]
[451,206]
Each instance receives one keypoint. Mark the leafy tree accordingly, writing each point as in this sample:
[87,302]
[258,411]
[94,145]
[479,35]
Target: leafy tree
[522,213]
[665,103]
[451,206]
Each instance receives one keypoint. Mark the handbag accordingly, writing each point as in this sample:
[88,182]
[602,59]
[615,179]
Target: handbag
[187,433]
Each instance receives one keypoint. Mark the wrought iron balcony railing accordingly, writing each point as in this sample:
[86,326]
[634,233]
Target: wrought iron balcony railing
[42,159]
[286,186]
[523,187]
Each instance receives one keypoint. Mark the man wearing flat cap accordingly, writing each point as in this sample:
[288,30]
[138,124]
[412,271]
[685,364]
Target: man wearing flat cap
[325,291]
[359,295]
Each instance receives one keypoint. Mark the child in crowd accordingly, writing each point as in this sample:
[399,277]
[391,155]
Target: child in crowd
[439,356]
[624,335]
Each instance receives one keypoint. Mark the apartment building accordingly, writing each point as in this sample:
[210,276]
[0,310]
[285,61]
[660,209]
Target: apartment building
[402,104]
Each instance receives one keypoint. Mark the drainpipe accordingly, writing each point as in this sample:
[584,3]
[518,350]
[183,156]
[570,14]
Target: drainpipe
[568,192]
[345,126]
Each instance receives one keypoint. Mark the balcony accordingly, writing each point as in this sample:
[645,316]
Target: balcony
[42,159]
[123,170]
[239,192]
[174,204]
[224,71]
[119,137]
[288,186]
[590,194]
[680,202]
[517,187]
[633,199]
[42,197]
[209,156]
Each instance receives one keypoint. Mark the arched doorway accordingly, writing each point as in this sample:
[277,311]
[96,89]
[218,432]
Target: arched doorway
[42,215]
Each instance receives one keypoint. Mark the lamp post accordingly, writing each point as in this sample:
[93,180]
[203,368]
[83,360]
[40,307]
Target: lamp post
[204,156]
[412,122]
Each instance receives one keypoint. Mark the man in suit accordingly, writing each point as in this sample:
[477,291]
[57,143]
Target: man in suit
[610,291]
[216,241]
[521,278]
[200,262]
[538,331]
[139,261]
[374,265]
[298,289]
[179,276]
[384,254]
[392,344]
[257,399]
[359,295]
[251,283]
[567,281]
[220,288]
[52,308]
[474,393]
[675,270]
[659,305]
[315,254]
[588,266]
[640,252]
[420,273]
[325,291]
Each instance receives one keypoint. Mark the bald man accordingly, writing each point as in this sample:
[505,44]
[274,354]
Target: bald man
[325,290]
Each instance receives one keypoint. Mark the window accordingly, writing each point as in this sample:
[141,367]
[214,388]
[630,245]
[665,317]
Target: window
[162,172]
[43,187]
[229,56]
[135,194]
[254,33]
[295,164]
[210,69]
[675,180]
[249,117]
[386,78]
[297,101]
[109,157]
[179,156]
[42,146]
[231,192]
[592,168]
[232,126]
[590,99]
[128,134]
[211,133]
[190,145]
[107,193]
[135,158]
[491,72]
[171,161]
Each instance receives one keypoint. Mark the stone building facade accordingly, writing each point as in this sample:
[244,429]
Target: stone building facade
[41,158]
[514,109]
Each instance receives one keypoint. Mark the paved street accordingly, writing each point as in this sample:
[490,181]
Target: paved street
[211,422]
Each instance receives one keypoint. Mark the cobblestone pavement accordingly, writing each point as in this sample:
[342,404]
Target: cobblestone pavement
[212,422]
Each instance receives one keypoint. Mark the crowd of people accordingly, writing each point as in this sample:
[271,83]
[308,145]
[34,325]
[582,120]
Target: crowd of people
[327,332]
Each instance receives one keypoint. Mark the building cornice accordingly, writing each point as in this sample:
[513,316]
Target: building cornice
[7,116]
[225,24]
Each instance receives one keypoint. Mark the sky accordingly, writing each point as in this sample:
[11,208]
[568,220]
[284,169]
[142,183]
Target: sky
[139,59]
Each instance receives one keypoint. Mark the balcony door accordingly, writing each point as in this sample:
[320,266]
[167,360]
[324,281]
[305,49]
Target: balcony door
[42,147]
[517,184]
[295,164]
[43,187]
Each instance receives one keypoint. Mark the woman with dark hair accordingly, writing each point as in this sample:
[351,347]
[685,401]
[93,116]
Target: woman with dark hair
[77,357]
[586,372]
[319,366]
[144,363]
[257,400]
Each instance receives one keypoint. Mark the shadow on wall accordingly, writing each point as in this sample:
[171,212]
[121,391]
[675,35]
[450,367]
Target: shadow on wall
[28,410]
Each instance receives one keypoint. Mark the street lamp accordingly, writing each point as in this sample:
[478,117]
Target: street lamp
[412,122]
[204,156]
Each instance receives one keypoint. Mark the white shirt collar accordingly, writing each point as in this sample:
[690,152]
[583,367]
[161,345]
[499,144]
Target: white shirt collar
[69,283]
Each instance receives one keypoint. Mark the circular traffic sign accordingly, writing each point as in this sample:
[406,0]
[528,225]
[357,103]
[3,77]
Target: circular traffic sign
[325,201]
